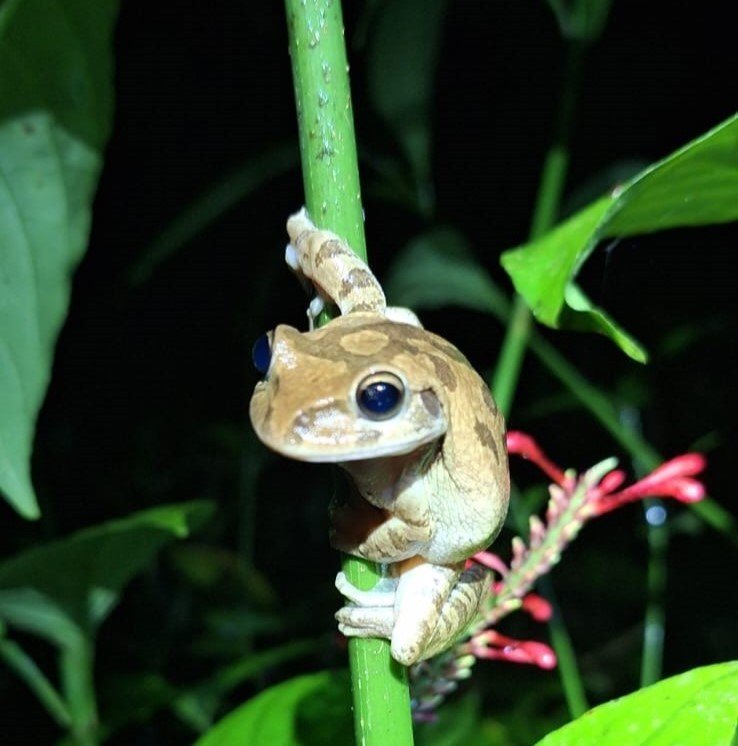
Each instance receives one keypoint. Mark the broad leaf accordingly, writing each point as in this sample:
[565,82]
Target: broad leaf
[64,589]
[697,707]
[278,715]
[55,116]
[437,269]
[697,185]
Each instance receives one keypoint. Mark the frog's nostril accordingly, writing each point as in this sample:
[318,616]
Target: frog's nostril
[380,396]
[261,353]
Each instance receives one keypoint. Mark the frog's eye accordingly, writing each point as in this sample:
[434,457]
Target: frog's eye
[261,353]
[380,396]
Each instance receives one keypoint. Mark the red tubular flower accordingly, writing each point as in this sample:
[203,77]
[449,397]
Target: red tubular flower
[523,445]
[537,606]
[672,479]
[494,646]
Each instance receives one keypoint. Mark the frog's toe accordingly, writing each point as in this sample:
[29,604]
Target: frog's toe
[359,621]
[291,257]
[383,593]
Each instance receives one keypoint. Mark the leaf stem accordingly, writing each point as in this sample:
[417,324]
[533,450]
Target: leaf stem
[332,194]
[17,659]
[76,662]
[517,337]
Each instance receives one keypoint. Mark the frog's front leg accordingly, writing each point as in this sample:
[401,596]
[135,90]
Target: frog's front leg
[429,609]
[373,532]
[327,261]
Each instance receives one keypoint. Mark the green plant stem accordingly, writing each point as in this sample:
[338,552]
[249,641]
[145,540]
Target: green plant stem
[332,194]
[507,371]
[76,663]
[17,659]
[652,657]
[576,696]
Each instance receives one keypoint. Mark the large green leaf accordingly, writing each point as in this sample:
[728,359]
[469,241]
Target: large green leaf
[273,718]
[698,708]
[696,185]
[55,115]
[64,589]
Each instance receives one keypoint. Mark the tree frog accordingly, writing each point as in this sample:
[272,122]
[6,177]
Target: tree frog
[401,410]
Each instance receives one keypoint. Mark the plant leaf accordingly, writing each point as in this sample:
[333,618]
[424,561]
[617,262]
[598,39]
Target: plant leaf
[696,185]
[55,116]
[696,707]
[66,588]
[211,205]
[272,716]
[437,269]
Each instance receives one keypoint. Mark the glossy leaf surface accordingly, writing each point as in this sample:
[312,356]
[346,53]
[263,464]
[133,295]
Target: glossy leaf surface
[694,186]
[55,115]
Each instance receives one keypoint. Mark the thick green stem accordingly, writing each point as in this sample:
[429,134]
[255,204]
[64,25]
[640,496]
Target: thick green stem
[76,664]
[332,194]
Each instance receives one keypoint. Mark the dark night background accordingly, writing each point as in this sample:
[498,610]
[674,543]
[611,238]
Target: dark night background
[149,397]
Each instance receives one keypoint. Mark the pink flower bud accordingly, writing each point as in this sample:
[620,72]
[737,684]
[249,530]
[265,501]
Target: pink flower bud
[488,559]
[538,607]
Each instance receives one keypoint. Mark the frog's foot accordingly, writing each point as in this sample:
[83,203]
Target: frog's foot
[292,258]
[327,261]
[401,315]
[371,613]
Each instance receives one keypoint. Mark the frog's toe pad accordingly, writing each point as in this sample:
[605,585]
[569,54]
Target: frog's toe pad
[291,257]
[360,621]
[383,593]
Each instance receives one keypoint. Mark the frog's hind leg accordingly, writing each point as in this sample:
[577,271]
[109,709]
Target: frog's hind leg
[434,604]
[327,261]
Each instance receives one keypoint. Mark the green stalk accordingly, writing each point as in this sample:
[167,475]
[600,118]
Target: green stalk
[652,656]
[332,194]
[79,691]
[20,662]
[517,337]
[545,213]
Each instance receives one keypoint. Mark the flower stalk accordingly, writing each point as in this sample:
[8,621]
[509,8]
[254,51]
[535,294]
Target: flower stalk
[574,500]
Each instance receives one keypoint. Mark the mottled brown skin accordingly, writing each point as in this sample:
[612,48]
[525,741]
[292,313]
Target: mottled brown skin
[431,482]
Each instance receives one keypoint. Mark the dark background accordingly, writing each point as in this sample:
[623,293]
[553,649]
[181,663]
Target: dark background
[148,401]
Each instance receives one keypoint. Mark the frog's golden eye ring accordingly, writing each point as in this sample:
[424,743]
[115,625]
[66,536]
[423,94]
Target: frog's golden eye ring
[380,396]
[261,353]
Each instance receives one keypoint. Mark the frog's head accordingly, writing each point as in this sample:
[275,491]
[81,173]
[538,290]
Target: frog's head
[354,389]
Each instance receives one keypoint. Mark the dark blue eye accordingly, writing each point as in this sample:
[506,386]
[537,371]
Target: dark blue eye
[380,396]
[261,353]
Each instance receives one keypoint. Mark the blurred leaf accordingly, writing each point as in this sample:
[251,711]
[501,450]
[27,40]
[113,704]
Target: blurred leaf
[56,102]
[401,70]
[694,186]
[270,718]
[583,20]
[323,716]
[19,661]
[696,707]
[438,269]
[211,205]
[134,698]
[67,587]
[198,705]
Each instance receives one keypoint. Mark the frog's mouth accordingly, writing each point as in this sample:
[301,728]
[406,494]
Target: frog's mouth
[331,447]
